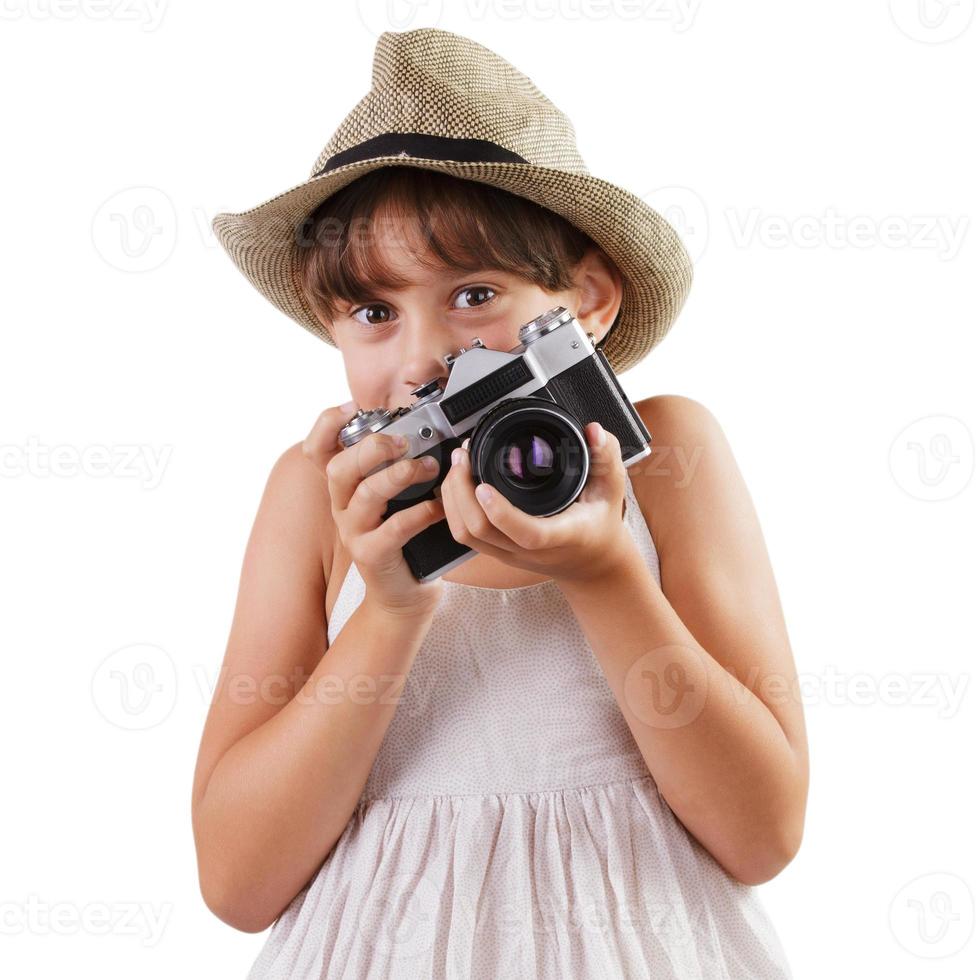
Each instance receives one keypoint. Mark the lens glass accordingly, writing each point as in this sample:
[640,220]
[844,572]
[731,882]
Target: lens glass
[528,460]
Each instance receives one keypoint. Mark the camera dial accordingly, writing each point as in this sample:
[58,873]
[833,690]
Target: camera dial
[426,392]
[543,324]
[362,424]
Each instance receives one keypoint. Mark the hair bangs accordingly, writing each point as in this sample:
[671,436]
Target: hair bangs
[446,223]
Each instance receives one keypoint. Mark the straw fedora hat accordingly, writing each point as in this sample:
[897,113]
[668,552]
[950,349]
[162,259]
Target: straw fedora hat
[440,101]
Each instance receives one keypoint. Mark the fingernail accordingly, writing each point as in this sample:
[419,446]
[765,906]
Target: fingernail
[348,406]
[600,436]
[430,462]
[457,456]
[466,443]
[400,441]
[483,493]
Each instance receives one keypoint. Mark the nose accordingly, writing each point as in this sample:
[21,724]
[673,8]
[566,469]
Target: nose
[424,346]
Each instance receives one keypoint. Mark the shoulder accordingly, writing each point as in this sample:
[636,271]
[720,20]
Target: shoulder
[666,483]
[296,493]
[676,412]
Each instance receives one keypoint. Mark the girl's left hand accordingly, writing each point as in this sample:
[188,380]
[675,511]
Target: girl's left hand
[580,542]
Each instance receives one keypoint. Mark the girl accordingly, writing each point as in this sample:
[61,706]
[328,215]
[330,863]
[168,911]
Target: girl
[575,753]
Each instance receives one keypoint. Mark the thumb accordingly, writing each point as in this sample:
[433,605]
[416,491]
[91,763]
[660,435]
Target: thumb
[322,442]
[607,475]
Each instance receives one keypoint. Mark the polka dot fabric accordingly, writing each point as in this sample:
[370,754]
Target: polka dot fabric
[510,827]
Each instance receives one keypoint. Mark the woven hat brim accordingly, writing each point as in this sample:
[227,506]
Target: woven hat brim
[656,267]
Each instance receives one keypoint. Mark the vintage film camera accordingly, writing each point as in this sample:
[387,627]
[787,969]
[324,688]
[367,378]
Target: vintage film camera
[525,413]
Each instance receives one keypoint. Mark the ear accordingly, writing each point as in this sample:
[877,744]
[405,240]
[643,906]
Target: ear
[599,285]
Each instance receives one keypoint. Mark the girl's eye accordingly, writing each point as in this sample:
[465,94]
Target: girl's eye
[377,315]
[474,291]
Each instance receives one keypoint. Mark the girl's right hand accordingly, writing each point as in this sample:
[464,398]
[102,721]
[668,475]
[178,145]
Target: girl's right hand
[358,502]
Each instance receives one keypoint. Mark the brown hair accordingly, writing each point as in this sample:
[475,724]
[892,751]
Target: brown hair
[466,225]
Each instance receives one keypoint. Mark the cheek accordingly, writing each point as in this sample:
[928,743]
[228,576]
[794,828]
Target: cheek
[368,379]
[501,335]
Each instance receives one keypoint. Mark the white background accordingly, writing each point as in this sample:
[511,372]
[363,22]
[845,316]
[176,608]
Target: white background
[820,161]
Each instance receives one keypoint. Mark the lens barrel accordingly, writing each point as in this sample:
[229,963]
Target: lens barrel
[532,451]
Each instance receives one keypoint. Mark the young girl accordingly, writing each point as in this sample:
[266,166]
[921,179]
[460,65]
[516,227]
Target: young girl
[573,754]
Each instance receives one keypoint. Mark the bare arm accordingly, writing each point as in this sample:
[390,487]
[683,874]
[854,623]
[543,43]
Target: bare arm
[703,669]
[286,748]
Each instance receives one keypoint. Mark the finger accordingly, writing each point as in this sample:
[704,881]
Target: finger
[348,468]
[607,475]
[403,525]
[458,528]
[321,442]
[527,532]
[371,496]
[467,519]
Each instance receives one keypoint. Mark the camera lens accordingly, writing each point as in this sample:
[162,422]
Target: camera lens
[532,451]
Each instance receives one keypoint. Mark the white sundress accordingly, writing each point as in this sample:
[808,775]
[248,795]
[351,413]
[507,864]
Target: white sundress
[510,827]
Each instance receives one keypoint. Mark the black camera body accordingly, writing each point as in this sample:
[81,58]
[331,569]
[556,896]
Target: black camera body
[524,412]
